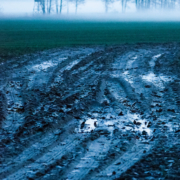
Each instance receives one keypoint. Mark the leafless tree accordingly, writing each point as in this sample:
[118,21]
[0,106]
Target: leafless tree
[107,3]
[157,4]
[49,6]
[0,8]
[57,8]
[77,3]
[124,5]
[39,6]
[60,6]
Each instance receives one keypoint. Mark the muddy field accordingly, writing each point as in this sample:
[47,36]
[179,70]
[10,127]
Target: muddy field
[98,113]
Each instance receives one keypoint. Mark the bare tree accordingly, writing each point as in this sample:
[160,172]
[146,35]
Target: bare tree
[50,6]
[57,8]
[0,6]
[43,6]
[60,6]
[67,6]
[107,2]
[157,4]
[124,5]
[39,6]
[77,3]
[144,4]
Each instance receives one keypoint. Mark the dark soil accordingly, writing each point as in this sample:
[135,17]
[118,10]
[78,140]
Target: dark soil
[91,113]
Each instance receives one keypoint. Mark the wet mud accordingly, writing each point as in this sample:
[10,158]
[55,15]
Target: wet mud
[97,113]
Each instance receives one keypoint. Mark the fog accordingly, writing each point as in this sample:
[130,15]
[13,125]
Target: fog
[122,10]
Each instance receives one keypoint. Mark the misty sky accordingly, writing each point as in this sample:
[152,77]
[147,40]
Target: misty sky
[90,6]
[14,6]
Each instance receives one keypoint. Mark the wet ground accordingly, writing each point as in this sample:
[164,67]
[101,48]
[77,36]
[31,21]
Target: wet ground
[97,113]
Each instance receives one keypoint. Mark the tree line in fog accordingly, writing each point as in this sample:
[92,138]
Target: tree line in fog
[56,6]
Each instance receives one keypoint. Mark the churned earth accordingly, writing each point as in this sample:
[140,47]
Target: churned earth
[96,113]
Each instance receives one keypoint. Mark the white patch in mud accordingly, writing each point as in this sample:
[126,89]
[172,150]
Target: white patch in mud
[143,127]
[59,78]
[43,66]
[40,69]
[47,64]
[135,57]
[88,126]
[126,123]
[172,127]
[72,64]
[130,63]
[128,77]
[85,67]
[154,58]
[142,124]
[158,81]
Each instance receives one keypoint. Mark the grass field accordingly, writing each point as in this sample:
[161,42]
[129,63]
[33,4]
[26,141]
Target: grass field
[25,36]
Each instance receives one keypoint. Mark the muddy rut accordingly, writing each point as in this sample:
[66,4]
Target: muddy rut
[90,113]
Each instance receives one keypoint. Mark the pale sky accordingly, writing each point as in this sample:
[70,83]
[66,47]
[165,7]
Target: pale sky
[14,6]
[90,6]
